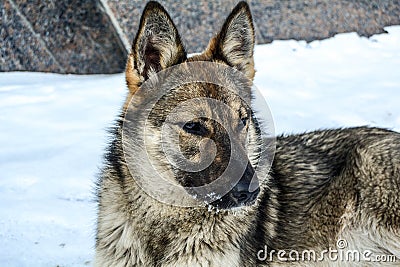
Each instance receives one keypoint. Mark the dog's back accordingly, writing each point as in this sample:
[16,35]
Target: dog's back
[339,185]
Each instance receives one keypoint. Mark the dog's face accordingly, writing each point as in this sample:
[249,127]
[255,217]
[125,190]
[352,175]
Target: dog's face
[212,132]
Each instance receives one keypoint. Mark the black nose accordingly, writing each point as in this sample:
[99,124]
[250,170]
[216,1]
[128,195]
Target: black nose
[242,195]
[243,192]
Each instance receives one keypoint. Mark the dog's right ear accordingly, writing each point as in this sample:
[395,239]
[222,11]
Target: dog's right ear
[235,42]
[157,46]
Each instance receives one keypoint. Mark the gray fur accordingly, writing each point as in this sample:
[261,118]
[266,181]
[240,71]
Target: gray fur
[323,185]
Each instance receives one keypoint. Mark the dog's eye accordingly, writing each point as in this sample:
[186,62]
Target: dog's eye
[194,127]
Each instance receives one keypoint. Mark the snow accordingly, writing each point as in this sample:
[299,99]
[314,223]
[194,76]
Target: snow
[53,132]
[52,135]
[343,81]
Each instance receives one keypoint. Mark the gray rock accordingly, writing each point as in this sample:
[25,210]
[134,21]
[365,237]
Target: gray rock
[93,36]
[59,36]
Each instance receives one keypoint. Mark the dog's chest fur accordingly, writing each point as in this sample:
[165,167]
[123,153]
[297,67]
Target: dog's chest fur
[148,233]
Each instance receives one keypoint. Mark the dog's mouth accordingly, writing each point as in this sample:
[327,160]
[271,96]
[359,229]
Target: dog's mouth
[244,193]
[235,199]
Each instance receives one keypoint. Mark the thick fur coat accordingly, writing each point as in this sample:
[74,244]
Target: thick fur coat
[323,186]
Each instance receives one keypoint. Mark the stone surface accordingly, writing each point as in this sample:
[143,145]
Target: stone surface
[319,19]
[71,36]
[60,36]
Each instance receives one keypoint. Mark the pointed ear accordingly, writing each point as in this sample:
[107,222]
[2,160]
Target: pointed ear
[235,43]
[157,45]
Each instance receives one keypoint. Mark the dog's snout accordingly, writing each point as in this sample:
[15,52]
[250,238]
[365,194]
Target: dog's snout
[242,194]
[241,187]
[247,189]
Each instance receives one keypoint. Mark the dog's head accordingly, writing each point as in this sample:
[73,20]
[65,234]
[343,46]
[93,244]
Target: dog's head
[215,133]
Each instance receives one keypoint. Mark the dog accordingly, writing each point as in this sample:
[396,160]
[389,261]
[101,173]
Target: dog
[328,192]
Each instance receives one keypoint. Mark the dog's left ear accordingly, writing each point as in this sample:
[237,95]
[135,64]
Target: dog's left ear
[235,42]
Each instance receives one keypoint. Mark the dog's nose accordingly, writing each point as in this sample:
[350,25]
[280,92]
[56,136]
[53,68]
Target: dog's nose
[242,195]
[247,189]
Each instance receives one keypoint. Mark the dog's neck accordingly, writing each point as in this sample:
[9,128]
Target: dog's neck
[197,235]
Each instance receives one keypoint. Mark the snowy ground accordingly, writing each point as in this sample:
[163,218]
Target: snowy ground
[53,132]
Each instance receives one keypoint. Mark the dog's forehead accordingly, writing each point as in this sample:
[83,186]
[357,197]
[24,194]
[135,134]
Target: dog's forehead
[210,95]
[228,93]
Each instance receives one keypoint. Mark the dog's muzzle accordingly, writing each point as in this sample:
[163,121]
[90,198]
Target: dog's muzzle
[241,194]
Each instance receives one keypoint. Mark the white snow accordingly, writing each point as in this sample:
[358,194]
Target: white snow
[53,132]
[52,135]
[343,81]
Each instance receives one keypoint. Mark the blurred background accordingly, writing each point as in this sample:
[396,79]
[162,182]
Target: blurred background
[94,36]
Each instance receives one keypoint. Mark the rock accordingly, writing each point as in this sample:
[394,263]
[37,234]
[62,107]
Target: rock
[59,36]
[93,36]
